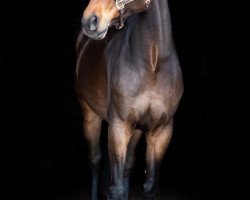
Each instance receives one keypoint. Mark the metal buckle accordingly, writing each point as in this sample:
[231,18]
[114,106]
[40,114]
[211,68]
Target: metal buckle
[120,4]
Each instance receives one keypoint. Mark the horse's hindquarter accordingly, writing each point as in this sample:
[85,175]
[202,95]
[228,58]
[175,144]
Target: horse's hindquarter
[91,78]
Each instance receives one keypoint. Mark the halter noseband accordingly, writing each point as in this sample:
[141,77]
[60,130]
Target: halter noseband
[120,5]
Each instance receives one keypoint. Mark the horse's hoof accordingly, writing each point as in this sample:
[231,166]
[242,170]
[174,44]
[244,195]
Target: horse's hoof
[103,197]
[149,196]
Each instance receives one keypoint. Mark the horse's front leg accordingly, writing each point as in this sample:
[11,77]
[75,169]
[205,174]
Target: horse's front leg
[91,130]
[157,144]
[118,138]
[130,159]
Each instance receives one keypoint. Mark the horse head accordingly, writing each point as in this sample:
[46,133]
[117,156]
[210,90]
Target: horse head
[102,14]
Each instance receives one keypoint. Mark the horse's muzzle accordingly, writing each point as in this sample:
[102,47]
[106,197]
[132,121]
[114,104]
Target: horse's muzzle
[90,27]
[90,24]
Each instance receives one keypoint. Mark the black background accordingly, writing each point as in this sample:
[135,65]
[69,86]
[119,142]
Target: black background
[208,153]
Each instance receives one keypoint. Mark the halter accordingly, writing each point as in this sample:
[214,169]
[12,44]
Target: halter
[120,5]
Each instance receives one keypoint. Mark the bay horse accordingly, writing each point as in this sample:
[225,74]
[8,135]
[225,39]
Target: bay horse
[130,77]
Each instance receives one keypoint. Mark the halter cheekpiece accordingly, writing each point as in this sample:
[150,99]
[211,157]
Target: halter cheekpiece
[120,5]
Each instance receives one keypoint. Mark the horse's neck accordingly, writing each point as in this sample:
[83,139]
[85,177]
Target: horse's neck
[140,33]
[154,27]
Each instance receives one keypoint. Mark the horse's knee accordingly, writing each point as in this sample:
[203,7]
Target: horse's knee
[130,161]
[129,167]
[95,160]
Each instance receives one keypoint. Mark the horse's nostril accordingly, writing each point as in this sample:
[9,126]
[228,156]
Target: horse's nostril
[93,23]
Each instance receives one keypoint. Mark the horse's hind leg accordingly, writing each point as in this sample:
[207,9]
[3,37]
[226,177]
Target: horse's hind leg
[130,159]
[157,144]
[91,130]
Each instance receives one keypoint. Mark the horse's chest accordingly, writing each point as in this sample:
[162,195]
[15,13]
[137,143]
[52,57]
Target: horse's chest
[140,97]
[147,110]
[149,103]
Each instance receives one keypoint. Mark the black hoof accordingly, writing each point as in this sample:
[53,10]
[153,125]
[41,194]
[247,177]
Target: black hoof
[149,196]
